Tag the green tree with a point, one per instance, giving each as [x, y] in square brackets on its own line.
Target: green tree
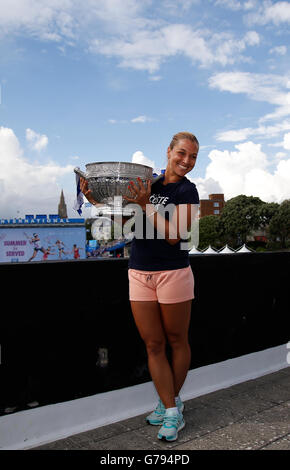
[240, 216]
[209, 231]
[279, 226]
[266, 212]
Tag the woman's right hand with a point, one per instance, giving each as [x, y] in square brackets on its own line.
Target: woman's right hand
[86, 191]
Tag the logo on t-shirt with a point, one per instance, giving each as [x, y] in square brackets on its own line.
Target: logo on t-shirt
[158, 200]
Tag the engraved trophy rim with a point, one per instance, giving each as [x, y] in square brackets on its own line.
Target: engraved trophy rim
[122, 163]
[109, 179]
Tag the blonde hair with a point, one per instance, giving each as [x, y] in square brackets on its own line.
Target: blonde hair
[183, 135]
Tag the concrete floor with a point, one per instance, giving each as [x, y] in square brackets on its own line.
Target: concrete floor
[252, 415]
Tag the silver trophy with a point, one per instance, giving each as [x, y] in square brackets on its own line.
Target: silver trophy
[107, 180]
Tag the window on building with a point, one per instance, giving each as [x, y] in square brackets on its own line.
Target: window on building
[216, 204]
[216, 212]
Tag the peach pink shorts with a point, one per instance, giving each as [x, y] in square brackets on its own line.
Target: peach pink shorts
[165, 287]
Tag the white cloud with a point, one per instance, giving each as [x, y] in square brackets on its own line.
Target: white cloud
[142, 119]
[286, 141]
[236, 5]
[37, 142]
[66, 20]
[231, 4]
[228, 50]
[269, 12]
[248, 5]
[280, 155]
[123, 29]
[117, 15]
[279, 50]
[207, 186]
[147, 49]
[269, 88]
[49, 21]
[245, 171]
[233, 135]
[155, 78]
[176, 7]
[26, 187]
[260, 87]
[251, 38]
[139, 157]
[138, 119]
[267, 132]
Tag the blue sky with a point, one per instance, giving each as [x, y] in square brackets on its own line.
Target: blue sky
[114, 80]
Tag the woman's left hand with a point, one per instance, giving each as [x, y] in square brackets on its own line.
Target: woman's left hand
[140, 193]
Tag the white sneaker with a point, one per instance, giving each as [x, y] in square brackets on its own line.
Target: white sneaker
[156, 417]
[172, 423]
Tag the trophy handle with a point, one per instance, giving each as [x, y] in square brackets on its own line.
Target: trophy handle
[80, 172]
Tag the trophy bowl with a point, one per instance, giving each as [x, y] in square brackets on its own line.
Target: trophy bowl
[109, 179]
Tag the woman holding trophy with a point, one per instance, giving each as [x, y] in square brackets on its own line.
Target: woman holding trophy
[161, 283]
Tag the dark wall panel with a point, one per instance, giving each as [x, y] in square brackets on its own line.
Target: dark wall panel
[66, 329]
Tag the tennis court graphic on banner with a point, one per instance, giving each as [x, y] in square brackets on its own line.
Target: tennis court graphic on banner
[41, 244]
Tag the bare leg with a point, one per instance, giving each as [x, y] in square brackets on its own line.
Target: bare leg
[147, 316]
[33, 256]
[176, 318]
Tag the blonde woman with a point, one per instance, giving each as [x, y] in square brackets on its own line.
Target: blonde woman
[161, 283]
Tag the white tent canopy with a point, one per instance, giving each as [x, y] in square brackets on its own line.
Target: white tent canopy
[243, 249]
[226, 249]
[210, 250]
[195, 251]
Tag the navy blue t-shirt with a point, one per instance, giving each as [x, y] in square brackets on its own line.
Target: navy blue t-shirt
[157, 254]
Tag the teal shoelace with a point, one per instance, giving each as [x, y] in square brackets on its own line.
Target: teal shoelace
[160, 409]
[171, 421]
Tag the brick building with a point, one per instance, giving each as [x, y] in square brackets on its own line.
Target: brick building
[212, 206]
